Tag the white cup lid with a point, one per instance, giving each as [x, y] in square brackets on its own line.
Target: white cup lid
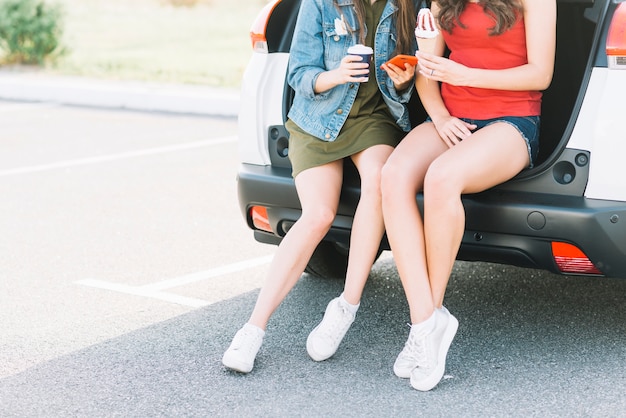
[360, 49]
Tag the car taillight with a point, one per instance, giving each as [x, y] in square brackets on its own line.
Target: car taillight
[257, 31]
[259, 217]
[572, 260]
[616, 39]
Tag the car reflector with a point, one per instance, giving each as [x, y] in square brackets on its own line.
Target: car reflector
[259, 217]
[259, 27]
[616, 39]
[572, 260]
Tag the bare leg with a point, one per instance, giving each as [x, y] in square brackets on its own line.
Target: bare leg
[367, 227]
[402, 179]
[318, 190]
[489, 157]
[425, 252]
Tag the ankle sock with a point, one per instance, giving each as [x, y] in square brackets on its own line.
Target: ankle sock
[258, 330]
[351, 308]
[426, 326]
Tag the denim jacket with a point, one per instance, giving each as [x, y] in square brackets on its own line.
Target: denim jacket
[317, 47]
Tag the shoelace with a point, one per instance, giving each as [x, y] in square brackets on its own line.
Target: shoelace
[416, 348]
[247, 339]
[333, 329]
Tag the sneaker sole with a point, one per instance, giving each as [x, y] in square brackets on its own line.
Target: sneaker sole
[431, 381]
[235, 365]
[402, 373]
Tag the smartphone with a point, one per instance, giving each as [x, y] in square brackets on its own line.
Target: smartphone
[400, 60]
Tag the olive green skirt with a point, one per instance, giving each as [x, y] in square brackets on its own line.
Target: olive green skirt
[357, 134]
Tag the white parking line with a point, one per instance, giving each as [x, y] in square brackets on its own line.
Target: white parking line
[140, 291]
[120, 156]
[208, 274]
[154, 290]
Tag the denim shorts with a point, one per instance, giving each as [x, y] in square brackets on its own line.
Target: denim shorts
[527, 126]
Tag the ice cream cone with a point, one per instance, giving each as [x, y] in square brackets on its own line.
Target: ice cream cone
[426, 45]
[426, 31]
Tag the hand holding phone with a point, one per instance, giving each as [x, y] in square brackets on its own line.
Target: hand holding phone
[401, 60]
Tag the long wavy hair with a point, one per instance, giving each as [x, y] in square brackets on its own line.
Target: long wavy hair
[405, 24]
[504, 13]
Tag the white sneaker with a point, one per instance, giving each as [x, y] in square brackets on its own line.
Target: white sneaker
[431, 351]
[243, 349]
[408, 359]
[325, 338]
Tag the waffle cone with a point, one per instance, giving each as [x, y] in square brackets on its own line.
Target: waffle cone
[426, 45]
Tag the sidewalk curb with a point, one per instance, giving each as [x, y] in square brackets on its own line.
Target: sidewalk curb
[152, 97]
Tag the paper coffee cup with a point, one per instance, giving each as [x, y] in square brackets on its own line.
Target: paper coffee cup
[365, 52]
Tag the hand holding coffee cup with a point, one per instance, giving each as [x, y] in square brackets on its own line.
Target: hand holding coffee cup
[365, 52]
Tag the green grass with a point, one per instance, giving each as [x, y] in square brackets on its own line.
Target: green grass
[150, 40]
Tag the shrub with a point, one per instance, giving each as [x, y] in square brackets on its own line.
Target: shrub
[30, 31]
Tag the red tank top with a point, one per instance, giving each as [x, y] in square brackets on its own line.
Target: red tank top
[473, 47]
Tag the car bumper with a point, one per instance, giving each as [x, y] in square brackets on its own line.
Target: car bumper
[515, 228]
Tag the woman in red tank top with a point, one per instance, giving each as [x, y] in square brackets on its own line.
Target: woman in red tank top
[483, 104]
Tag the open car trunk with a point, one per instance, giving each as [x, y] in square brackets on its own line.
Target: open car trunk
[575, 34]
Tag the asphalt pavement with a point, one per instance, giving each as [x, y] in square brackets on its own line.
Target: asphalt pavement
[38, 86]
[530, 343]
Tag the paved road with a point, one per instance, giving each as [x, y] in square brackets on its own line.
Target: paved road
[112, 221]
[125, 269]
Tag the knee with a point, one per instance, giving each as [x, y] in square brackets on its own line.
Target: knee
[318, 220]
[390, 177]
[440, 183]
[397, 184]
[371, 184]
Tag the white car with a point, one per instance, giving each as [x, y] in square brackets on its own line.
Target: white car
[566, 215]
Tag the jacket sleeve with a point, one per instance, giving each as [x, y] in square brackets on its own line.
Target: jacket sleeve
[306, 58]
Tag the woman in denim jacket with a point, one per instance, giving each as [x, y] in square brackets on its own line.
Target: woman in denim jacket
[336, 114]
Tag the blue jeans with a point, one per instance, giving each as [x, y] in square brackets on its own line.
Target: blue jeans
[527, 126]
